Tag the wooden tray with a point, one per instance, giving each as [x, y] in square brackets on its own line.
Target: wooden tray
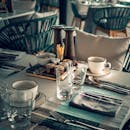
[32, 71]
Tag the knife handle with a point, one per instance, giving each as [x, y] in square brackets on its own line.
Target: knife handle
[86, 125]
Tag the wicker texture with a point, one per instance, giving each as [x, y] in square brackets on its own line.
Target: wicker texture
[112, 18]
[31, 35]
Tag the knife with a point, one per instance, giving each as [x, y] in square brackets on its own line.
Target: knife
[62, 119]
[116, 84]
[115, 89]
[42, 116]
[108, 86]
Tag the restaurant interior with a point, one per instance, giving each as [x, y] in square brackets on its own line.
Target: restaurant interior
[64, 64]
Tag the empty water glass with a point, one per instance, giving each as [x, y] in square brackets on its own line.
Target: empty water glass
[63, 86]
[78, 76]
[19, 108]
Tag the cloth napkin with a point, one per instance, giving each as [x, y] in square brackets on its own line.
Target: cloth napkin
[95, 103]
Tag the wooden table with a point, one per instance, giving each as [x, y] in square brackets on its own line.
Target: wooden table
[49, 88]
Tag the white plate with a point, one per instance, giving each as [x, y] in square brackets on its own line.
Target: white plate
[105, 72]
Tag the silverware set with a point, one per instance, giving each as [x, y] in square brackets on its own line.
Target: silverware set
[62, 119]
[10, 66]
[55, 116]
[7, 56]
[102, 98]
[121, 89]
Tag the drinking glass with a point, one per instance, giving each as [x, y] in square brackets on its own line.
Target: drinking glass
[63, 87]
[19, 108]
[78, 76]
[3, 109]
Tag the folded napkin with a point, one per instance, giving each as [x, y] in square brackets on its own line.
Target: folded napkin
[95, 103]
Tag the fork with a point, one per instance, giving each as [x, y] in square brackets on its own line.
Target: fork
[62, 119]
[105, 85]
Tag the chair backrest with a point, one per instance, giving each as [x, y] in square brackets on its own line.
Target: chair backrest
[112, 18]
[75, 10]
[30, 35]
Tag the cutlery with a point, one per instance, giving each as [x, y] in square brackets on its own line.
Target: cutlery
[117, 101]
[11, 66]
[100, 98]
[115, 84]
[62, 119]
[53, 119]
[8, 54]
[108, 86]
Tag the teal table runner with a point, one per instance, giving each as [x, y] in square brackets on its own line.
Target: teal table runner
[96, 118]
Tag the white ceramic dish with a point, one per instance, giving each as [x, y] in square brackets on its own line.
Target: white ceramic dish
[104, 73]
[26, 86]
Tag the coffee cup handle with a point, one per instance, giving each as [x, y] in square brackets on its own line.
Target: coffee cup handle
[108, 65]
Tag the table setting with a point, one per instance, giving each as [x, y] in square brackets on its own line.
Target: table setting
[81, 100]
[70, 94]
[87, 99]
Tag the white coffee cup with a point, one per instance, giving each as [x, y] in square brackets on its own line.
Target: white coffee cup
[26, 86]
[97, 65]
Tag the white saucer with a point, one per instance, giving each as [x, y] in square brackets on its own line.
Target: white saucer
[105, 72]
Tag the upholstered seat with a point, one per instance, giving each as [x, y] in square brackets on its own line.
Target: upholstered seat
[112, 20]
[115, 50]
[30, 35]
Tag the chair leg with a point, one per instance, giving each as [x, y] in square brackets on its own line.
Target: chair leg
[73, 22]
[81, 26]
[125, 31]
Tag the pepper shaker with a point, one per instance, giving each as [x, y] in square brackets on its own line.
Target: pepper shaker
[69, 43]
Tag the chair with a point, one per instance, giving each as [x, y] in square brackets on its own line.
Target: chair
[30, 35]
[77, 17]
[112, 20]
[50, 5]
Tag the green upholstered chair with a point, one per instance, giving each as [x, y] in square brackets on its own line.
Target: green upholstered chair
[77, 16]
[30, 35]
[112, 20]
